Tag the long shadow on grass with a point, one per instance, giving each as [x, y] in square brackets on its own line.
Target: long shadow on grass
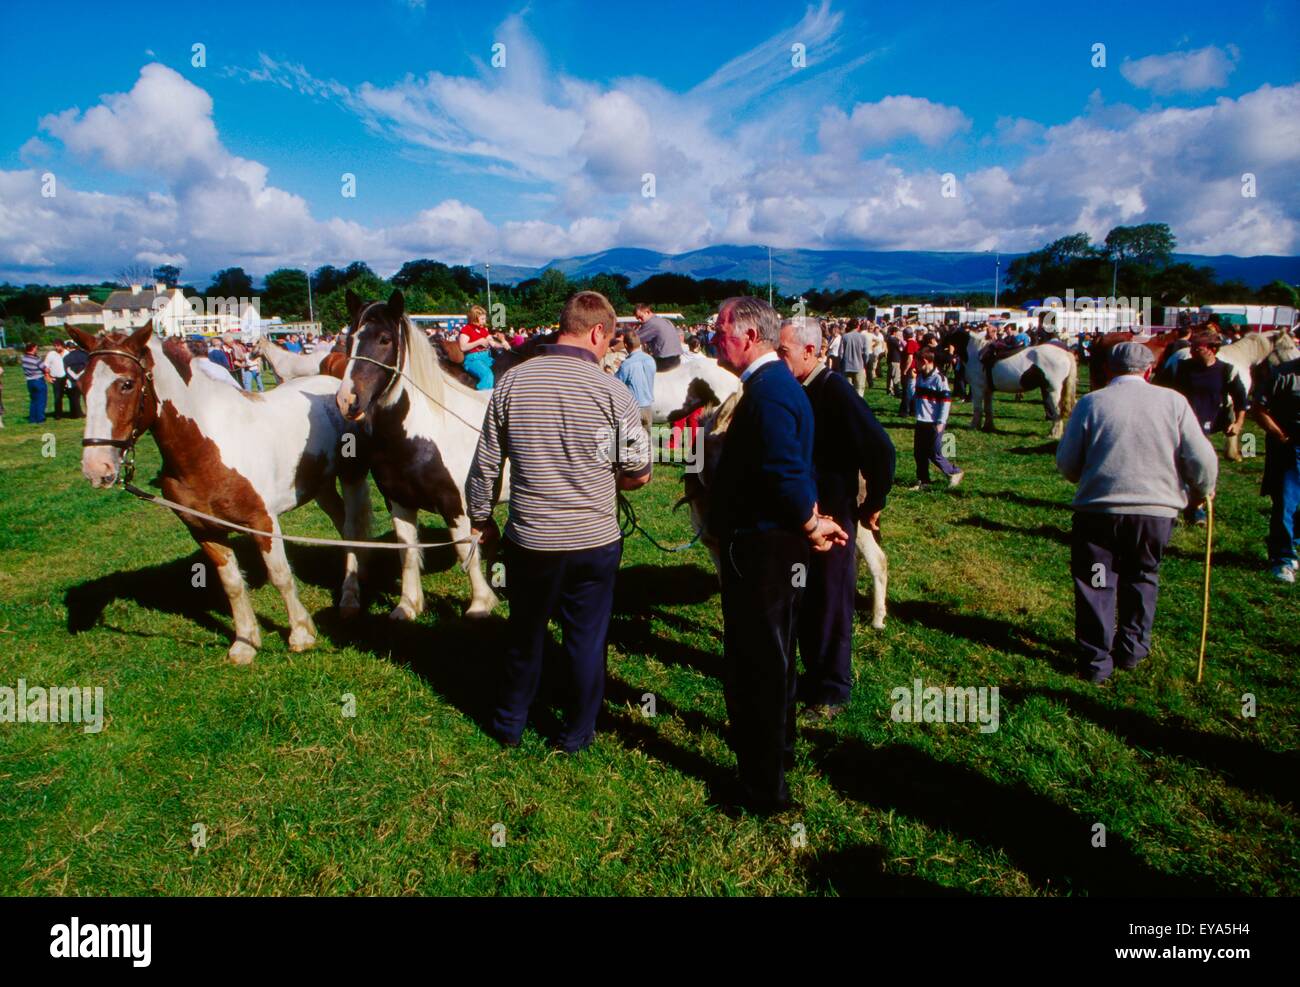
[860, 871]
[641, 596]
[1246, 764]
[1048, 842]
[1002, 635]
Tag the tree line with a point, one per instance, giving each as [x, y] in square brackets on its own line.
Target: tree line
[1132, 260]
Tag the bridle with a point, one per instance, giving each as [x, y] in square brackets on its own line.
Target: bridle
[127, 446]
[394, 371]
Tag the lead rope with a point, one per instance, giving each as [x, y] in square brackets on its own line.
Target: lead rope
[145, 495]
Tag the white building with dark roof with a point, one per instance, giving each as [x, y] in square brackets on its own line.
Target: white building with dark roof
[78, 310]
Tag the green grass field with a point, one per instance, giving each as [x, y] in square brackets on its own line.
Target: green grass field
[296, 798]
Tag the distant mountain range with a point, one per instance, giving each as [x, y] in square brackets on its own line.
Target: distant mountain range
[916, 272]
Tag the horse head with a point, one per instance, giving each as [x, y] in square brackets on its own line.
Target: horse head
[377, 340]
[121, 402]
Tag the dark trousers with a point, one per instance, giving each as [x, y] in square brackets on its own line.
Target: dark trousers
[927, 448]
[760, 611]
[60, 388]
[663, 363]
[1286, 501]
[37, 395]
[74, 399]
[826, 622]
[577, 588]
[1115, 560]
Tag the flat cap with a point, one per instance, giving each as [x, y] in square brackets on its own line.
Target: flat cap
[1130, 358]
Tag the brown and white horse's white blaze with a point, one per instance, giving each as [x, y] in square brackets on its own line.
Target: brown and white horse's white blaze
[421, 446]
[246, 458]
[713, 436]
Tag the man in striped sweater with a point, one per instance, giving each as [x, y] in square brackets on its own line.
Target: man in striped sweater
[35, 375]
[932, 399]
[573, 436]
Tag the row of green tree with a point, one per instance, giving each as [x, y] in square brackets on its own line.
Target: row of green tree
[1132, 261]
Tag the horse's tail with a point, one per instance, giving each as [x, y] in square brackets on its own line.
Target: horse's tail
[1070, 388]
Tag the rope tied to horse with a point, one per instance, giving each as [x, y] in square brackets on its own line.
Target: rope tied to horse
[628, 524]
[145, 495]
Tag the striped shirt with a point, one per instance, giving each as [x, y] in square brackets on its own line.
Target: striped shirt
[933, 397]
[33, 367]
[568, 429]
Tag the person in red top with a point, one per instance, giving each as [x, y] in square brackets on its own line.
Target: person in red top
[474, 343]
[910, 348]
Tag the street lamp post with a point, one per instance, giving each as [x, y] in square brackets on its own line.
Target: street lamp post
[769, 275]
[997, 278]
[488, 268]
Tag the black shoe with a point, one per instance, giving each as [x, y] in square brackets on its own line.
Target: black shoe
[1128, 664]
[1092, 675]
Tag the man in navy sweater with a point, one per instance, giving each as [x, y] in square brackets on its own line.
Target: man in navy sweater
[763, 511]
[848, 443]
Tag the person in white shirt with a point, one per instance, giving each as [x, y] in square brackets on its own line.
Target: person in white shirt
[57, 375]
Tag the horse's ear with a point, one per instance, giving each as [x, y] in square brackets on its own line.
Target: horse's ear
[397, 304]
[354, 304]
[86, 340]
[139, 339]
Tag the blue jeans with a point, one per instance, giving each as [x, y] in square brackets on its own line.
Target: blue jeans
[38, 395]
[1286, 504]
[252, 377]
[479, 364]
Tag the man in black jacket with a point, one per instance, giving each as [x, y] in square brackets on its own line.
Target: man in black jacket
[848, 442]
[763, 511]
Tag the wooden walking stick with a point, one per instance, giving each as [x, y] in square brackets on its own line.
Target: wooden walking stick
[1205, 606]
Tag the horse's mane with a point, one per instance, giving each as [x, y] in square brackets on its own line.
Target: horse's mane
[422, 365]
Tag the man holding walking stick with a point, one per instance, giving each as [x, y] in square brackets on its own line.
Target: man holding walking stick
[1139, 457]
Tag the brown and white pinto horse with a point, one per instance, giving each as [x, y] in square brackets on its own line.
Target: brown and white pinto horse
[245, 458]
[424, 429]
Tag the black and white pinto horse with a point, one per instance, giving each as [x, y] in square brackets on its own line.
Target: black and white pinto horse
[1050, 368]
[424, 428]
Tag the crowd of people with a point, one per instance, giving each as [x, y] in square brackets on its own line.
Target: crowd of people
[785, 502]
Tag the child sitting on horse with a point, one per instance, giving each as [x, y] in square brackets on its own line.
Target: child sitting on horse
[475, 344]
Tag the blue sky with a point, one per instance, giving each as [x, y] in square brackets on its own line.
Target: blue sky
[918, 126]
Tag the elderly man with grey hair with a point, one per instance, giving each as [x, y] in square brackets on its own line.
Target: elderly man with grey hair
[848, 443]
[763, 511]
[1139, 457]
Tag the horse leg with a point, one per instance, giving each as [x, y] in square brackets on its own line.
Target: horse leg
[988, 406]
[976, 384]
[1233, 448]
[411, 605]
[302, 632]
[341, 515]
[1052, 406]
[356, 527]
[878, 566]
[248, 636]
[482, 601]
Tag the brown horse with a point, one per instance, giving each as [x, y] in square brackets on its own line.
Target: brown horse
[244, 458]
[1099, 374]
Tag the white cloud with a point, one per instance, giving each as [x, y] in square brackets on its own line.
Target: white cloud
[892, 118]
[1182, 71]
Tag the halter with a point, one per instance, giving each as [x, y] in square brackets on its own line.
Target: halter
[127, 471]
[395, 371]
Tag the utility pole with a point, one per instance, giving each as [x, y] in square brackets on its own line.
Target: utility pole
[997, 278]
[311, 310]
[769, 275]
[488, 269]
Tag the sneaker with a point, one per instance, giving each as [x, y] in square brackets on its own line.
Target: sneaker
[915, 487]
[956, 478]
[1284, 573]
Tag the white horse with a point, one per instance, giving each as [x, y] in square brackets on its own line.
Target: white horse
[244, 458]
[424, 430]
[713, 435]
[671, 386]
[1049, 367]
[287, 364]
[1254, 348]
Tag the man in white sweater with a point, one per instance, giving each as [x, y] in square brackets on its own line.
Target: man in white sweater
[1139, 457]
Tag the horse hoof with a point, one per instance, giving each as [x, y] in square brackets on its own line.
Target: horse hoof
[300, 639]
[349, 611]
[241, 653]
[403, 611]
[879, 624]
